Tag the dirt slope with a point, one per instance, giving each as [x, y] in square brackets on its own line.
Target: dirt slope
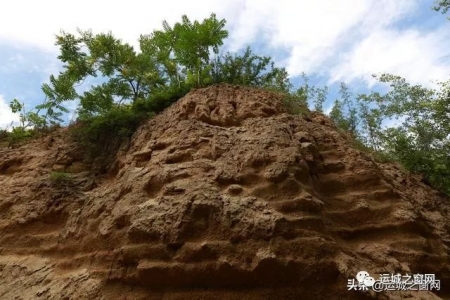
[222, 196]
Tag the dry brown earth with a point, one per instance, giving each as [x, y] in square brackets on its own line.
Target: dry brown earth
[222, 196]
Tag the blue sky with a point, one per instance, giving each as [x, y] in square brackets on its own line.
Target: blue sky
[331, 41]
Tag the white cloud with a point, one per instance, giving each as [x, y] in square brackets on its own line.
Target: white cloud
[314, 32]
[6, 116]
[409, 53]
[349, 39]
[12, 63]
[341, 40]
[327, 110]
[36, 22]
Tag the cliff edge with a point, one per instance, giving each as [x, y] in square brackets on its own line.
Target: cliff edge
[223, 195]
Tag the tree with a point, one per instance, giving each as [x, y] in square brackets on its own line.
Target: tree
[30, 122]
[351, 109]
[344, 112]
[314, 94]
[27, 119]
[193, 42]
[319, 96]
[337, 115]
[59, 90]
[90, 56]
[442, 5]
[422, 141]
[183, 51]
[178, 55]
[250, 69]
[370, 119]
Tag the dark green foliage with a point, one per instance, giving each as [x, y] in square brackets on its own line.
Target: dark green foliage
[27, 119]
[60, 179]
[319, 95]
[172, 61]
[352, 120]
[315, 95]
[3, 134]
[99, 137]
[137, 85]
[192, 44]
[344, 112]
[17, 136]
[337, 116]
[296, 102]
[161, 99]
[370, 119]
[59, 90]
[418, 155]
[421, 142]
[183, 52]
[442, 5]
[249, 69]
[119, 121]
[31, 124]
[277, 79]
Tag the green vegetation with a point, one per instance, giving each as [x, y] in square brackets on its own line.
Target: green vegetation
[421, 143]
[31, 124]
[442, 5]
[137, 84]
[60, 178]
[170, 62]
[101, 136]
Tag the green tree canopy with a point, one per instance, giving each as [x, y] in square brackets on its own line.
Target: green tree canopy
[442, 5]
[169, 63]
[420, 140]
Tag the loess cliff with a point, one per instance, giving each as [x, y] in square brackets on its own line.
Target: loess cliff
[224, 195]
